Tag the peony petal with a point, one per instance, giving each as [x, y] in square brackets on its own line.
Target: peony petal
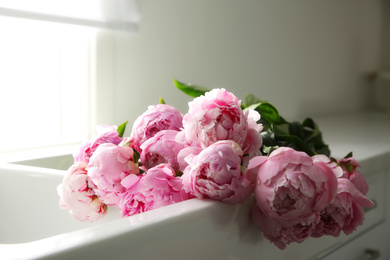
[129, 181]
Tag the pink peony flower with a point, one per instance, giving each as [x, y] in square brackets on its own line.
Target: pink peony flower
[153, 120]
[163, 186]
[78, 198]
[216, 173]
[215, 116]
[161, 148]
[133, 200]
[157, 188]
[291, 186]
[280, 235]
[252, 145]
[186, 154]
[349, 166]
[345, 213]
[108, 166]
[106, 134]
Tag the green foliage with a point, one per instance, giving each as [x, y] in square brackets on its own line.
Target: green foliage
[349, 155]
[189, 89]
[267, 112]
[121, 129]
[136, 156]
[251, 100]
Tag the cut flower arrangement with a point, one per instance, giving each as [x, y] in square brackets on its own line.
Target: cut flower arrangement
[223, 150]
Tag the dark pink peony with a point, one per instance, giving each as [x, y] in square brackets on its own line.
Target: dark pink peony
[153, 120]
[78, 197]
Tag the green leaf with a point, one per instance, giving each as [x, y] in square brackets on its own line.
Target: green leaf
[323, 150]
[313, 136]
[251, 100]
[268, 137]
[269, 149]
[349, 155]
[295, 143]
[311, 129]
[162, 101]
[178, 173]
[267, 112]
[295, 128]
[281, 129]
[121, 129]
[189, 89]
[136, 156]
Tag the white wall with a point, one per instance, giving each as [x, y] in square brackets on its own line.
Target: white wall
[306, 57]
[386, 35]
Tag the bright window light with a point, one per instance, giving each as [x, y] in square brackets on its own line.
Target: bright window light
[121, 15]
[88, 9]
[45, 83]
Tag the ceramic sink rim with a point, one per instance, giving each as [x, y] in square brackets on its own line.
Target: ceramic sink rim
[60, 243]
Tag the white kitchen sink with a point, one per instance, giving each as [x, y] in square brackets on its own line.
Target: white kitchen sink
[57, 162]
[34, 227]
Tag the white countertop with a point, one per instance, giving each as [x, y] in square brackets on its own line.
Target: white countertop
[366, 134]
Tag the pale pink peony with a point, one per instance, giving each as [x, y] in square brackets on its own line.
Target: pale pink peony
[105, 134]
[78, 198]
[161, 148]
[153, 120]
[252, 117]
[133, 200]
[349, 166]
[253, 140]
[252, 145]
[345, 213]
[108, 166]
[186, 154]
[280, 235]
[216, 173]
[292, 186]
[163, 186]
[157, 188]
[215, 116]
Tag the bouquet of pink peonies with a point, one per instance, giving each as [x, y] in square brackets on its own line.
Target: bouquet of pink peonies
[223, 150]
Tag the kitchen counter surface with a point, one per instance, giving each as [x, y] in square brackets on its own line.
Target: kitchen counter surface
[366, 134]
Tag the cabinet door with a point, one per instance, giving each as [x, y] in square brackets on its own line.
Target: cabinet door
[372, 245]
[370, 241]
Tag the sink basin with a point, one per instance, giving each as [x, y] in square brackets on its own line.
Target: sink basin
[57, 157]
[34, 227]
[58, 162]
